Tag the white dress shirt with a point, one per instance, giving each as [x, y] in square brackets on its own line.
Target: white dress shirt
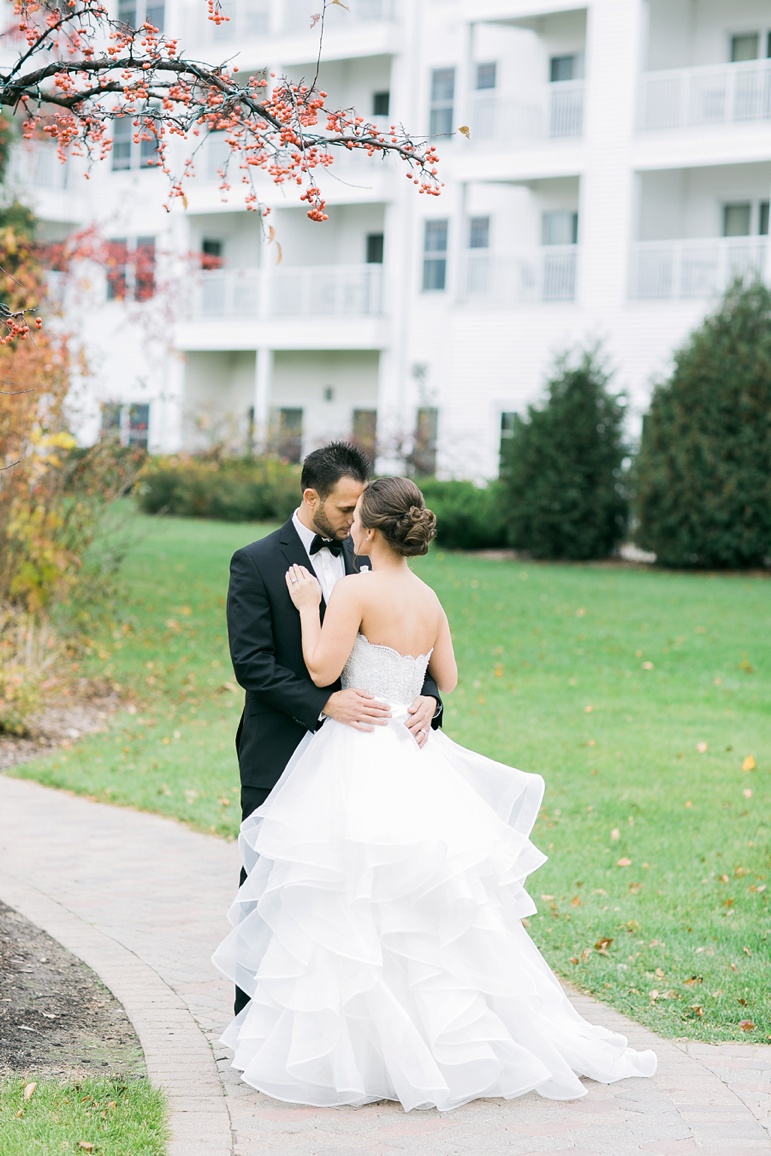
[327, 567]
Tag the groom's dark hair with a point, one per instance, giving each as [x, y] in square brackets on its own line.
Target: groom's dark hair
[324, 468]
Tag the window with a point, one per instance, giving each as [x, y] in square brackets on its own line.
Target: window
[559, 227]
[566, 68]
[128, 153]
[136, 12]
[508, 420]
[736, 220]
[131, 268]
[423, 457]
[375, 248]
[211, 253]
[129, 423]
[442, 98]
[485, 76]
[745, 47]
[364, 433]
[290, 434]
[381, 103]
[138, 422]
[479, 233]
[745, 219]
[435, 256]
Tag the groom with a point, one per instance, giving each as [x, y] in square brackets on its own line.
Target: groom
[282, 703]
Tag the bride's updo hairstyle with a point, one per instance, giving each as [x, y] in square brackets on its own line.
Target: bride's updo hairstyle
[396, 507]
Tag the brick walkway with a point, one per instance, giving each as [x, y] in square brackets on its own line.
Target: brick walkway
[142, 900]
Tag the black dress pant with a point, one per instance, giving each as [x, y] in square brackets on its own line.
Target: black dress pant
[251, 799]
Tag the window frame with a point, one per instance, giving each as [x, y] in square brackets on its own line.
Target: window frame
[435, 259]
[441, 108]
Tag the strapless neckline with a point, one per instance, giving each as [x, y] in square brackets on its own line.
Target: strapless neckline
[393, 650]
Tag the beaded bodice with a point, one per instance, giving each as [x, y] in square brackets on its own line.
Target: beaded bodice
[384, 672]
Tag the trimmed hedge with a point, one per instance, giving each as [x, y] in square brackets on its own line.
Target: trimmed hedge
[232, 490]
[268, 490]
[468, 517]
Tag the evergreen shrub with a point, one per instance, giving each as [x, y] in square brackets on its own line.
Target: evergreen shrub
[703, 475]
[564, 467]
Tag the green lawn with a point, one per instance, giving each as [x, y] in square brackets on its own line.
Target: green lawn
[100, 1116]
[644, 699]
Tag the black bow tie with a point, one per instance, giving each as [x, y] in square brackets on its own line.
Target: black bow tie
[332, 544]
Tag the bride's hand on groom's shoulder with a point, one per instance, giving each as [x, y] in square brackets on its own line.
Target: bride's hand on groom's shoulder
[303, 587]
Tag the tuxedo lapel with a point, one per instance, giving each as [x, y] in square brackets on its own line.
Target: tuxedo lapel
[295, 554]
[349, 558]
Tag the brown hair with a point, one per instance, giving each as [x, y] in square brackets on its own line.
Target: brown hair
[396, 507]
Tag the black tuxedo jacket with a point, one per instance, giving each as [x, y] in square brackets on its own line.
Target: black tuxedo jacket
[282, 702]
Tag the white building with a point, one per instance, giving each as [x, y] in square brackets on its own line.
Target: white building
[616, 176]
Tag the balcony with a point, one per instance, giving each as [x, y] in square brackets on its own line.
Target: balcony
[683, 270]
[297, 14]
[227, 293]
[715, 95]
[546, 275]
[247, 19]
[558, 115]
[37, 164]
[315, 291]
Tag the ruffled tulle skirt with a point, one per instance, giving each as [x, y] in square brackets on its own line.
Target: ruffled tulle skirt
[379, 934]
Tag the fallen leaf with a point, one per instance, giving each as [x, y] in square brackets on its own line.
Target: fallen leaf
[624, 863]
[647, 666]
[747, 793]
[602, 944]
[692, 981]
[615, 834]
[746, 951]
[575, 901]
[697, 1009]
[747, 1025]
[86, 1145]
[588, 709]
[701, 748]
[29, 1091]
[749, 763]
[464, 130]
[574, 959]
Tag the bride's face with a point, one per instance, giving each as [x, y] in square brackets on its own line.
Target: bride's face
[358, 532]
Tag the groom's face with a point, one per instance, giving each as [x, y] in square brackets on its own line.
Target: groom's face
[333, 515]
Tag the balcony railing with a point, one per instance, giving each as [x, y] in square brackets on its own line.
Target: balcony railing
[336, 290]
[298, 14]
[227, 293]
[342, 290]
[247, 18]
[723, 94]
[547, 274]
[558, 115]
[36, 164]
[663, 270]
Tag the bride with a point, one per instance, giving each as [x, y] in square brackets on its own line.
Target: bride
[379, 929]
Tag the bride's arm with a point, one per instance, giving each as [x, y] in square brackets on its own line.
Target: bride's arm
[442, 666]
[325, 649]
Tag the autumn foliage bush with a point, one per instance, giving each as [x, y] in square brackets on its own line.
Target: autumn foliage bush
[703, 475]
[52, 498]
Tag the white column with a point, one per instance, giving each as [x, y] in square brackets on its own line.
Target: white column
[263, 378]
[614, 38]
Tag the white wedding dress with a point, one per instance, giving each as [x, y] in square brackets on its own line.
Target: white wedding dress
[379, 929]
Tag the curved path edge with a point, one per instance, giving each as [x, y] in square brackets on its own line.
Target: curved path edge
[142, 899]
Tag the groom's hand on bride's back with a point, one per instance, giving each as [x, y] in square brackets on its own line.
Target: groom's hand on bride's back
[357, 709]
